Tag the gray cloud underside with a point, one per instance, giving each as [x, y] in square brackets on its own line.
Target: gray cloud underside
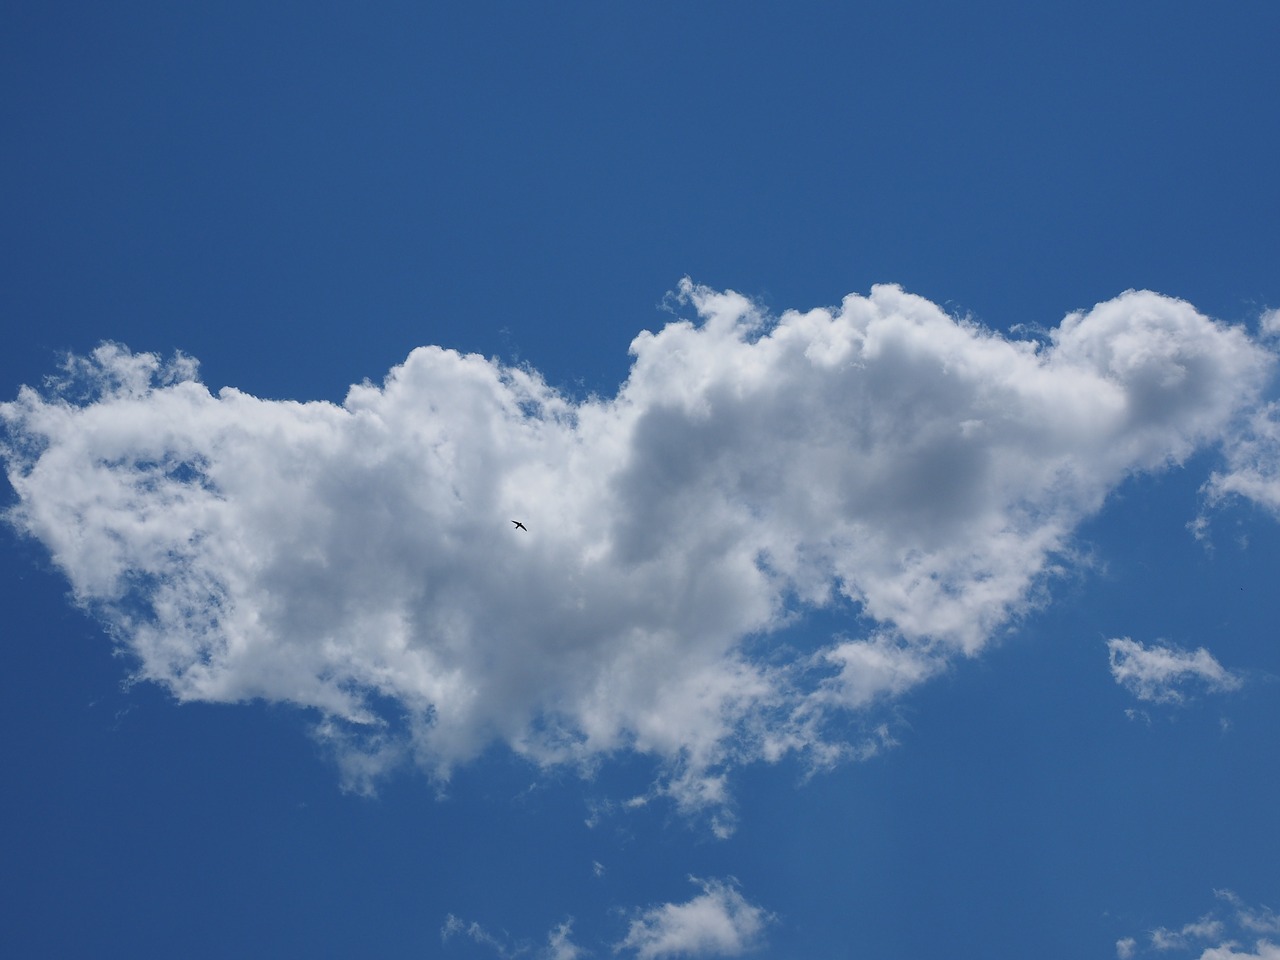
[338, 557]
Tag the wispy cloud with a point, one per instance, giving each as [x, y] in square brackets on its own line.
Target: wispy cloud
[1261, 919]
[1206, 928]
[560, 945]
[455, 926]
[1269, 323]
[1253, 462]
[719, 922]
[359, 559]
[1252, 450]
[1161, 674]
[1215, 936]
[1262, 950]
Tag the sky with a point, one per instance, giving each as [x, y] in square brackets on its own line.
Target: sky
[889, 396]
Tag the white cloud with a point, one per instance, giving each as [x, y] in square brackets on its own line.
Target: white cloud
[456, 926]
[1269, 323]
[1206, 928]
[360, 560]
[1262, 950]
[1159, 673]
[1253, 462]
[1256, 920]
[1215, 926]
[719, 922]
[560, 947]
[880, 666]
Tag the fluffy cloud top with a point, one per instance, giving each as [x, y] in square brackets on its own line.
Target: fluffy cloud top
[359, 559]
[1158, 673]
[719, 922]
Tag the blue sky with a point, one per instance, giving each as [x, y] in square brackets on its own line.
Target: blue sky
[906, 590]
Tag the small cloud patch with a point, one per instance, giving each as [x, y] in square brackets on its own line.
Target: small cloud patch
[1164, 674]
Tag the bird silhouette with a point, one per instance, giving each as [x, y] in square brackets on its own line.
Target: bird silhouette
[520, 526]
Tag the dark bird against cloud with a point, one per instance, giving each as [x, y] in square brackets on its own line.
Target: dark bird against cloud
[520, 526]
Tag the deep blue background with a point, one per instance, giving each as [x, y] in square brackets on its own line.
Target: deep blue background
[299, 194]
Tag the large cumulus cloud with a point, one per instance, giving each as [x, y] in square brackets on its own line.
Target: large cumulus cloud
[359, 559]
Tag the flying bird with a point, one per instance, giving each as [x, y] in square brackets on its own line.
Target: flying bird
[520, 526]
